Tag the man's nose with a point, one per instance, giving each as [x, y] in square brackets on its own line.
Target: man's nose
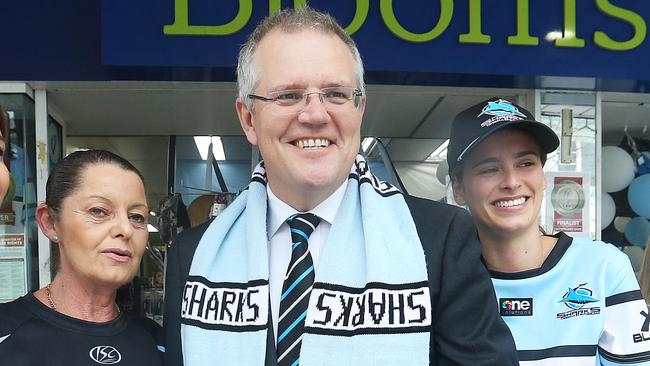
[314, 110]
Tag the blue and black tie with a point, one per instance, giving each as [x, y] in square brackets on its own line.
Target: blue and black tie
[296, 289]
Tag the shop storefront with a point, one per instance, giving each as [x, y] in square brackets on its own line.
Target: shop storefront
[155, 83]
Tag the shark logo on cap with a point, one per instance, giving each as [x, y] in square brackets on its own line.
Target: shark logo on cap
[501, 111]
[501, 107]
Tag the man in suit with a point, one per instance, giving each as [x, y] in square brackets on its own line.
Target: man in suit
[319, 262]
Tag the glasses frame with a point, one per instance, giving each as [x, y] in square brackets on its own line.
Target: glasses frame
[357, 93]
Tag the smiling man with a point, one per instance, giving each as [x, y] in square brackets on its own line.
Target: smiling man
[318, 262]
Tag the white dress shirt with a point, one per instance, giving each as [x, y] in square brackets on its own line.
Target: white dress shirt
[279, 236]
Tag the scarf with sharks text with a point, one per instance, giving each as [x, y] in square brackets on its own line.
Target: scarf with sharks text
[370, 303]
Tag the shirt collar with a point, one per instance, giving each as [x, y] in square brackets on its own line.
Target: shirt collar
[278, 211]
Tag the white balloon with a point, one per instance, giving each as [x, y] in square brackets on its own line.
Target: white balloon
[620, 223]
[442, 171]
[618, 169]
[608, 211]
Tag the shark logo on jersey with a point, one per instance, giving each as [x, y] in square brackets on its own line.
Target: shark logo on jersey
[576, 299]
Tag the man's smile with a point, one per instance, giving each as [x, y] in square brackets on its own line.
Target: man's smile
[312, 143]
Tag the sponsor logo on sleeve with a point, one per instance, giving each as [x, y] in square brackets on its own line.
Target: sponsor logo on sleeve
[516, 306]
[577, 299]
[643, 335]
[377, 308]
[105, 355]
[225, 306]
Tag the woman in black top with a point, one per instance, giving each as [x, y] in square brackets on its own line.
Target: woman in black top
[96, 212]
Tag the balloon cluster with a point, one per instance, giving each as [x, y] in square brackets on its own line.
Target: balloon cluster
[621, 171]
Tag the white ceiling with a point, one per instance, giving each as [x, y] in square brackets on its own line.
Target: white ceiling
[137, 108]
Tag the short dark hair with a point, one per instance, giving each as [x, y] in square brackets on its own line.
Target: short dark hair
[64, 178]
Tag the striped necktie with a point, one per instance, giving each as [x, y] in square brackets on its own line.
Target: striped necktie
[295, 290]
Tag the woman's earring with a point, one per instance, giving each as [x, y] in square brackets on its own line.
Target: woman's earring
[56, 238]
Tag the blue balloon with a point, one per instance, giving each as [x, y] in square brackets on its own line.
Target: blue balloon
[638, 195]
[637, 231]
[643, 164]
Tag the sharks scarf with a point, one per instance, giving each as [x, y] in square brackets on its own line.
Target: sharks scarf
[370, 303]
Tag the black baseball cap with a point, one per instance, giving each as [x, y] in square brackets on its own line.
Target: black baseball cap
[473, 125]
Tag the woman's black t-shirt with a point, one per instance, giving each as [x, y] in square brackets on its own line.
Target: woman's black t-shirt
[33, 334]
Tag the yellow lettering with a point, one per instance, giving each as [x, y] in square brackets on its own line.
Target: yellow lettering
[569, 38]
[635, 20]
[388, 15]
[181, 24]
[475, 34]
[523, 37]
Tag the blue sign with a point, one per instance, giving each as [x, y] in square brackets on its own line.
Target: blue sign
[589, 38]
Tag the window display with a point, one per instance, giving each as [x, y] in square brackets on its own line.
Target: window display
[18, 230]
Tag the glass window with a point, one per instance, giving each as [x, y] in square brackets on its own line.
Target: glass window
[18, 229]
[200, 176]
[416, 162]
[570, 201]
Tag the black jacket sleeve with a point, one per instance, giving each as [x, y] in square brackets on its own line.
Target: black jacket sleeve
[179, 259]
[467, 327]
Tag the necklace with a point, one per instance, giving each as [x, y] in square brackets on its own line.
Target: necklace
[53, 306]
[49, 297]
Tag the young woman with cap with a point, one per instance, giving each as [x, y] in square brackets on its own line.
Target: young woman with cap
[567, 301]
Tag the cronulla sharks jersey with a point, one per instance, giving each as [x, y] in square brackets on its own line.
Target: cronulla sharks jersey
[582, 307]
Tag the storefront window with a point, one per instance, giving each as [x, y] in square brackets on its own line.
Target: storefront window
[199, 175]
[18, 229]
[415, 164]
[570, 200]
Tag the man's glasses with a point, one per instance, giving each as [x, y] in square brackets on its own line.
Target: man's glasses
[294, 101]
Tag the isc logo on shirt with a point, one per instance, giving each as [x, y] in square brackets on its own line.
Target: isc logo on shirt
[105, 355]
[516, 306]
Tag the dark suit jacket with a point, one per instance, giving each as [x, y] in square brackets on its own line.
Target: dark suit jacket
[467, 328]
